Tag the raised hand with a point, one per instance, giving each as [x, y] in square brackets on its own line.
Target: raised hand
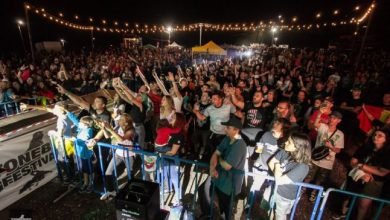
[115, 82]
[61, 89]
[171, 77]
[23, 106]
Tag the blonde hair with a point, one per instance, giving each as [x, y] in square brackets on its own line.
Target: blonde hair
[88, 120]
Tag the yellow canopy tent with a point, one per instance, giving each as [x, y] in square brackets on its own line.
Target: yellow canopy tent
[210, 48]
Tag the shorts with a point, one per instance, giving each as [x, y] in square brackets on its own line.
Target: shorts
[318, 174]
[283, 205]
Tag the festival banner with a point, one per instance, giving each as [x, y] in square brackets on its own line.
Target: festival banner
[26, 163]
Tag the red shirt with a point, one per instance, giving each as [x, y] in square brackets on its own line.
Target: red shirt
[48, 94]
[25, 74]
[324, 119]
[163, 134]
[156, 99]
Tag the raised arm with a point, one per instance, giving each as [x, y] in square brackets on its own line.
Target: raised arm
[199, 115]
[160, 83]
[25, 106]
[240, 104]
[129, 95]
[119, 90]
[76, 99]
[142, 76]
[171, 78]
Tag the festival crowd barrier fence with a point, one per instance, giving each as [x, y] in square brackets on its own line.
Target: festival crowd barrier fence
[156, 173]
[10, 108]
[352, 201]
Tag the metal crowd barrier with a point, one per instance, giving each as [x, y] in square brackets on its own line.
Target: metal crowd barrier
[162, 160]
[11, 108]
[352, 202]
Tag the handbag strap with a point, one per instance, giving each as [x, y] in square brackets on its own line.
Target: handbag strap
[330, 137]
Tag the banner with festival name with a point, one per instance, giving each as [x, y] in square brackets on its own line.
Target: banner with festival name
[26, 163]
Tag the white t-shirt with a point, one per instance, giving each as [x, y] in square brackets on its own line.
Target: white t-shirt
[337, 140]
[178, 103]
[218, 115]
[121, 152]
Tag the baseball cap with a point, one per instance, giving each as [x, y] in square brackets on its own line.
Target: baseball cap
[337, 114]
[234, 122]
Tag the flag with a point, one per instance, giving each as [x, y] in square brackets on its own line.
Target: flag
[378, 113]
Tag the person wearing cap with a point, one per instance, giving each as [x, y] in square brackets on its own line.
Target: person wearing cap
[351, 107]
[329, 136]
[227, 166]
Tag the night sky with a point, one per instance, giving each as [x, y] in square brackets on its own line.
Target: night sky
[178, 12]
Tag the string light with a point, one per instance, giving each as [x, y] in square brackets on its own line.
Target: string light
[369, 10]
[153, 28]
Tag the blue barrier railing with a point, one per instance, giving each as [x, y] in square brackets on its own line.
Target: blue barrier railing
[352, 203]
[11, 108]
[161, 162]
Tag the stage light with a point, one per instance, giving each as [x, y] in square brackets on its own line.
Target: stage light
[357, 8]
[318, 15]
[336, 12]
[20, 22]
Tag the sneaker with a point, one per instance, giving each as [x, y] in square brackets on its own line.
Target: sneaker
[107, 195]
[122, 185]
[339, 216]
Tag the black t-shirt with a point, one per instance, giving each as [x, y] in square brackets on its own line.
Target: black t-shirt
[368, 156]
[254, 116]
[138, 115]
[205, 124]
[354, 102]
[105, 115]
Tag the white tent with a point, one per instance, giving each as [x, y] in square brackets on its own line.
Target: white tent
[174, 45]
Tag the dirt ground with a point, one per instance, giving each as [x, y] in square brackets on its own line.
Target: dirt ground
[88, 206]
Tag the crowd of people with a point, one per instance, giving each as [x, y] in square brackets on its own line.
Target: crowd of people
[298, 106]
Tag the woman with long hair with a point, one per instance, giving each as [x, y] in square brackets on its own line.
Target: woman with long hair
[267, 147]
[289, 165]
[174, 134]
[167, 109]
[122, 135]
[370, 169]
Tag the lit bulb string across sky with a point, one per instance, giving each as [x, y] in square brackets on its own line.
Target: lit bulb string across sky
[243, 27]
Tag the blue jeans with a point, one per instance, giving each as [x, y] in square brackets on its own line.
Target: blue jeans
[171, 174]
